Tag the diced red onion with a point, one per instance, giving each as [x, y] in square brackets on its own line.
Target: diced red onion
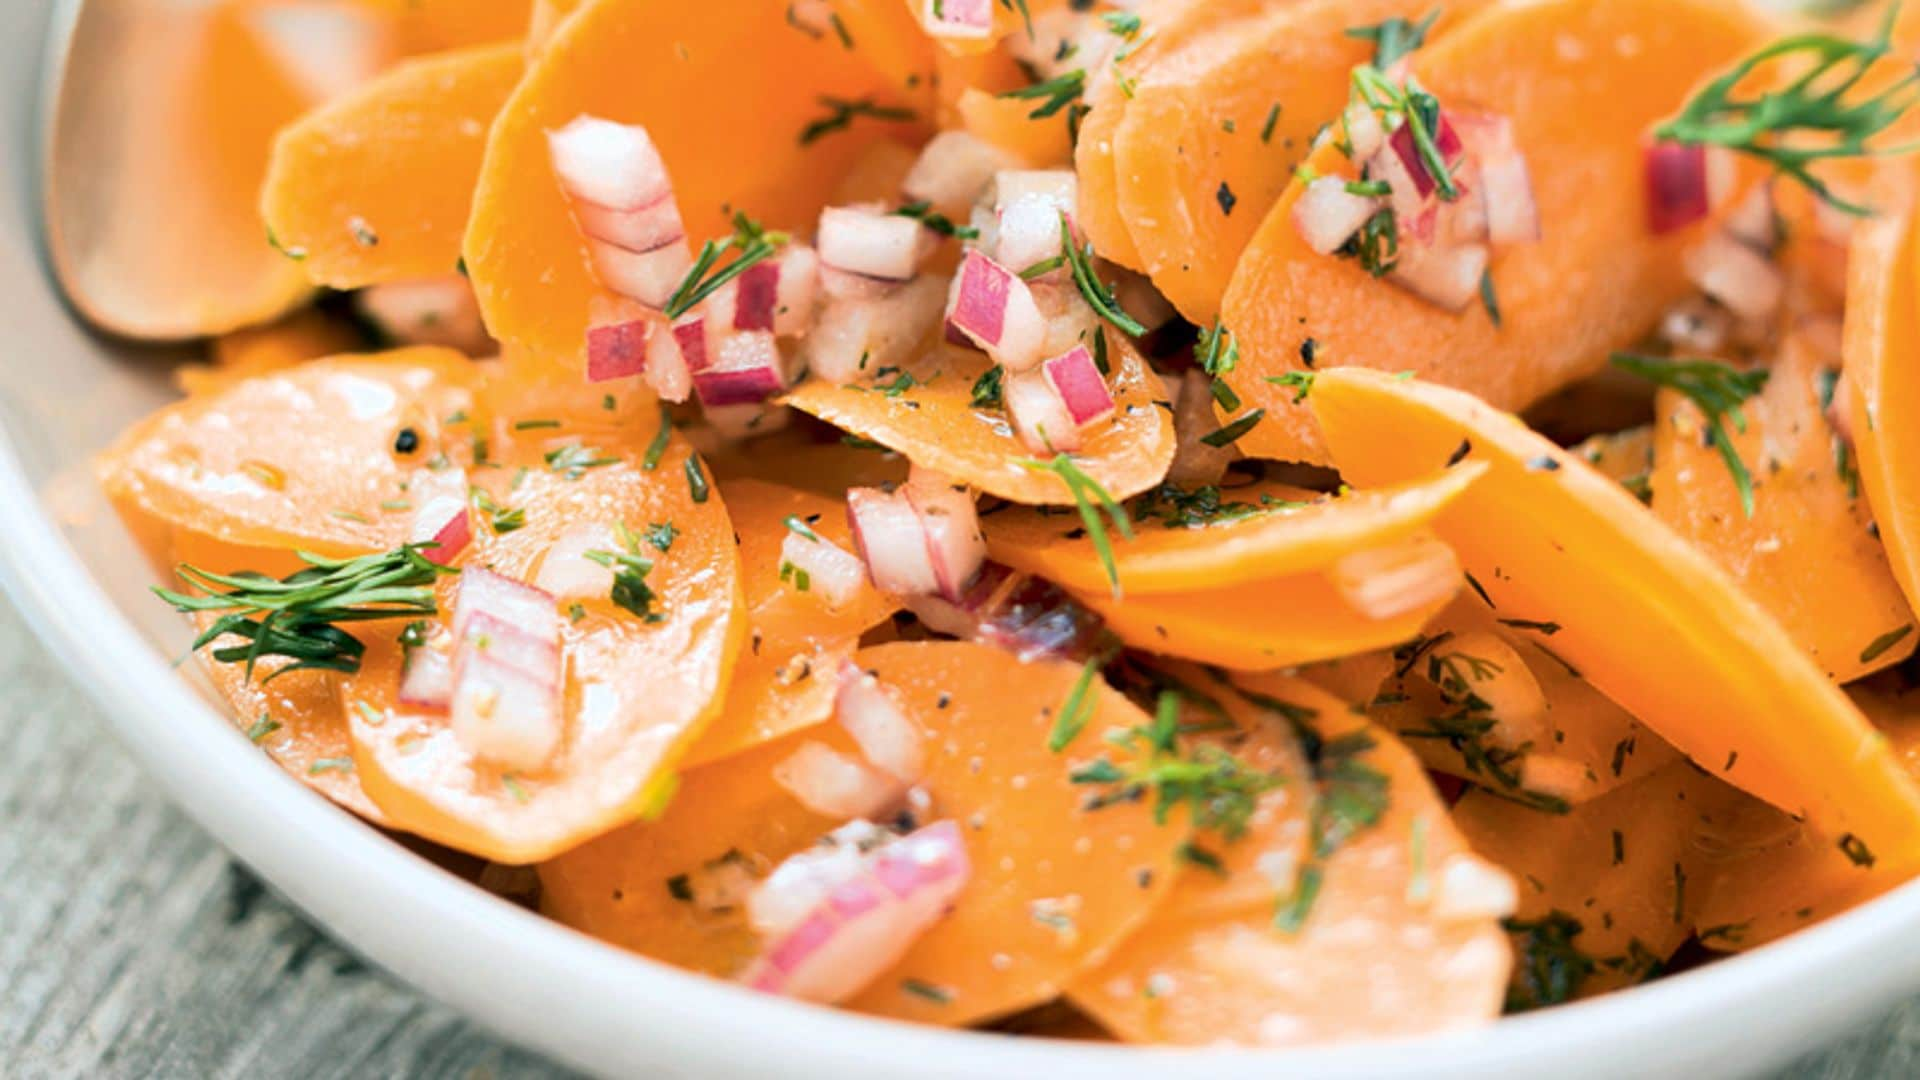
[834, 574]
[995, 309]
[1445, 277]
[507, 670]
[889, 538]
[643, 229]
[956, 548]
[969, 19]
[1505, 184]
[1363, 131]
[1385, 583]
[867, 913]
[837, 284]
[836, 785]
[881, 332]
[871, 243]
[1030, 235]
[952, 170]
[877, 723]
[1040, 418]
[507, 645]
[619, 337]
[1058, 189]
[650, 277]
[691, 335]
[483, 592]
[565, 571]
[666, 370]
[1445, 140]
[428, 311]
[1027, 616]
[1736, 275]
[747, 368]
[427, 680]
[1684, 183]
[773, 294]
[1082, 389]
[440, 516]
[1327, 215]
[609, 164]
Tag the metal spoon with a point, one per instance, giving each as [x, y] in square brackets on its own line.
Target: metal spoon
[159, 120]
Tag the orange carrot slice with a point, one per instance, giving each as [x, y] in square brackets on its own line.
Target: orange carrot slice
[1378, 951]
[430, 26]
[724, 90]
[1623, 868]
[1596, 282]
[376, 186]
[1808, 553]
[1625, 457]
[1654, 624]
[927, 414]
[1201, 159]
[1882, 395]
[1285, 530]
[301, 458]
[787, 677]
[1582, 745]
[637, 692]
[1054, 883]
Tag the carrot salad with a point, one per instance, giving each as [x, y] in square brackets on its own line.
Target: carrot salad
[1186, 521]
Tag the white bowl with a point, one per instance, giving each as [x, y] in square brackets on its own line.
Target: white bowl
[69, 566]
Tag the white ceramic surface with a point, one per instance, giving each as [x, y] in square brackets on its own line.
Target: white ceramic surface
[67, 564]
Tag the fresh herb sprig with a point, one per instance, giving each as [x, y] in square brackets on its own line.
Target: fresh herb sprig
[1092, 501]
[1774, 126]
[1393, 39]
[925, 214]
[1063, 91]
[1098, 294]
[841, 114]
[1418, 110]
[299, 616]
[1219, 791]
[754, 242]
[1718, 390]
[630, 569]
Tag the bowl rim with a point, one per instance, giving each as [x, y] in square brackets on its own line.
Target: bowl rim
[607, 1011]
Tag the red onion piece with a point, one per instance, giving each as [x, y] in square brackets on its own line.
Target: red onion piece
[1504, 183]
[1444, 277]
[649, 277]
[747, 369]
[881, 332]
[643, 229]
[1327, 215]
[886, 737]
[507, 670]
[866, 923]
[483, 592]
[958, 18]
[870, 243]
[1055, 188]
[756, 292]
[952, 170]
[1684, 182]
[440, 515]
[565, 571]
[995, 309]
[1742, 279]
[427, 680]
[834, 575]
[1039, 417]
[690, 335]
[838, 284]
[619, 338]
[1362, 131]
[836, 785]
[1082, 389]
[1029, 235]
[774, 295]
[1027, 616]
[611, 165]
[889, 538]
[534, 655]
[956, 547]
[1445, 140]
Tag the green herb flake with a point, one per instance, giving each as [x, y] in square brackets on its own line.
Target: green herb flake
[842, 112]
[1091, 500]
[262, 728]
[330, 764]
[1878, 646]
[1077, 709]
[987, 389]
[696, 479]
[753, 242]
[1718, 391]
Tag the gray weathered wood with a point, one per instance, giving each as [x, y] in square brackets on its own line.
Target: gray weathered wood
[131, 946]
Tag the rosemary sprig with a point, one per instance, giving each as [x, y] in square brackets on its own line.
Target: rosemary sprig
[841, 114]
[299, 616]
[1718, 391]
[1394, 38]
[630, 570]
[1078, 708]
[1098, 293]
[1219, 790]
[754, 243]
[1763, 126]
[1418, 110]
[1091, 500]
[1059, 92]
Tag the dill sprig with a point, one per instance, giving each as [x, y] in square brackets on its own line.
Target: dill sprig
[754, 243]
[841, 114]
[1300, 381]
[1091, 500]
[298, 617]
[925, 214]
[1099, 295]
[630, 570]
[1418, 110]
[1219, 790]
[1551, 967]
[1059, 92]
[1763, 126]
[1718, 390]
[1078, 708]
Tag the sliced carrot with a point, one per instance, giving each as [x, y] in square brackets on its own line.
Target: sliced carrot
[1200, 159]
[1625, 867]
[797, 461]
[376, 186]
[1883, 398]
[307, 334]
[1373, 957]
[638, 692]
[1054, 883]
[1597, 280]
[787, 677]
[1588, 745]
[301, 458]
[927, 414]
[1039, 142]
[1772, 875]
[430, 26]
[1654, 624]
[725, 91]
[1625, 457]
[1808, 553]
[1285, 530]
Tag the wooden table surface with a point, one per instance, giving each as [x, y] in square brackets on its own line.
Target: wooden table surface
[132, 946]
